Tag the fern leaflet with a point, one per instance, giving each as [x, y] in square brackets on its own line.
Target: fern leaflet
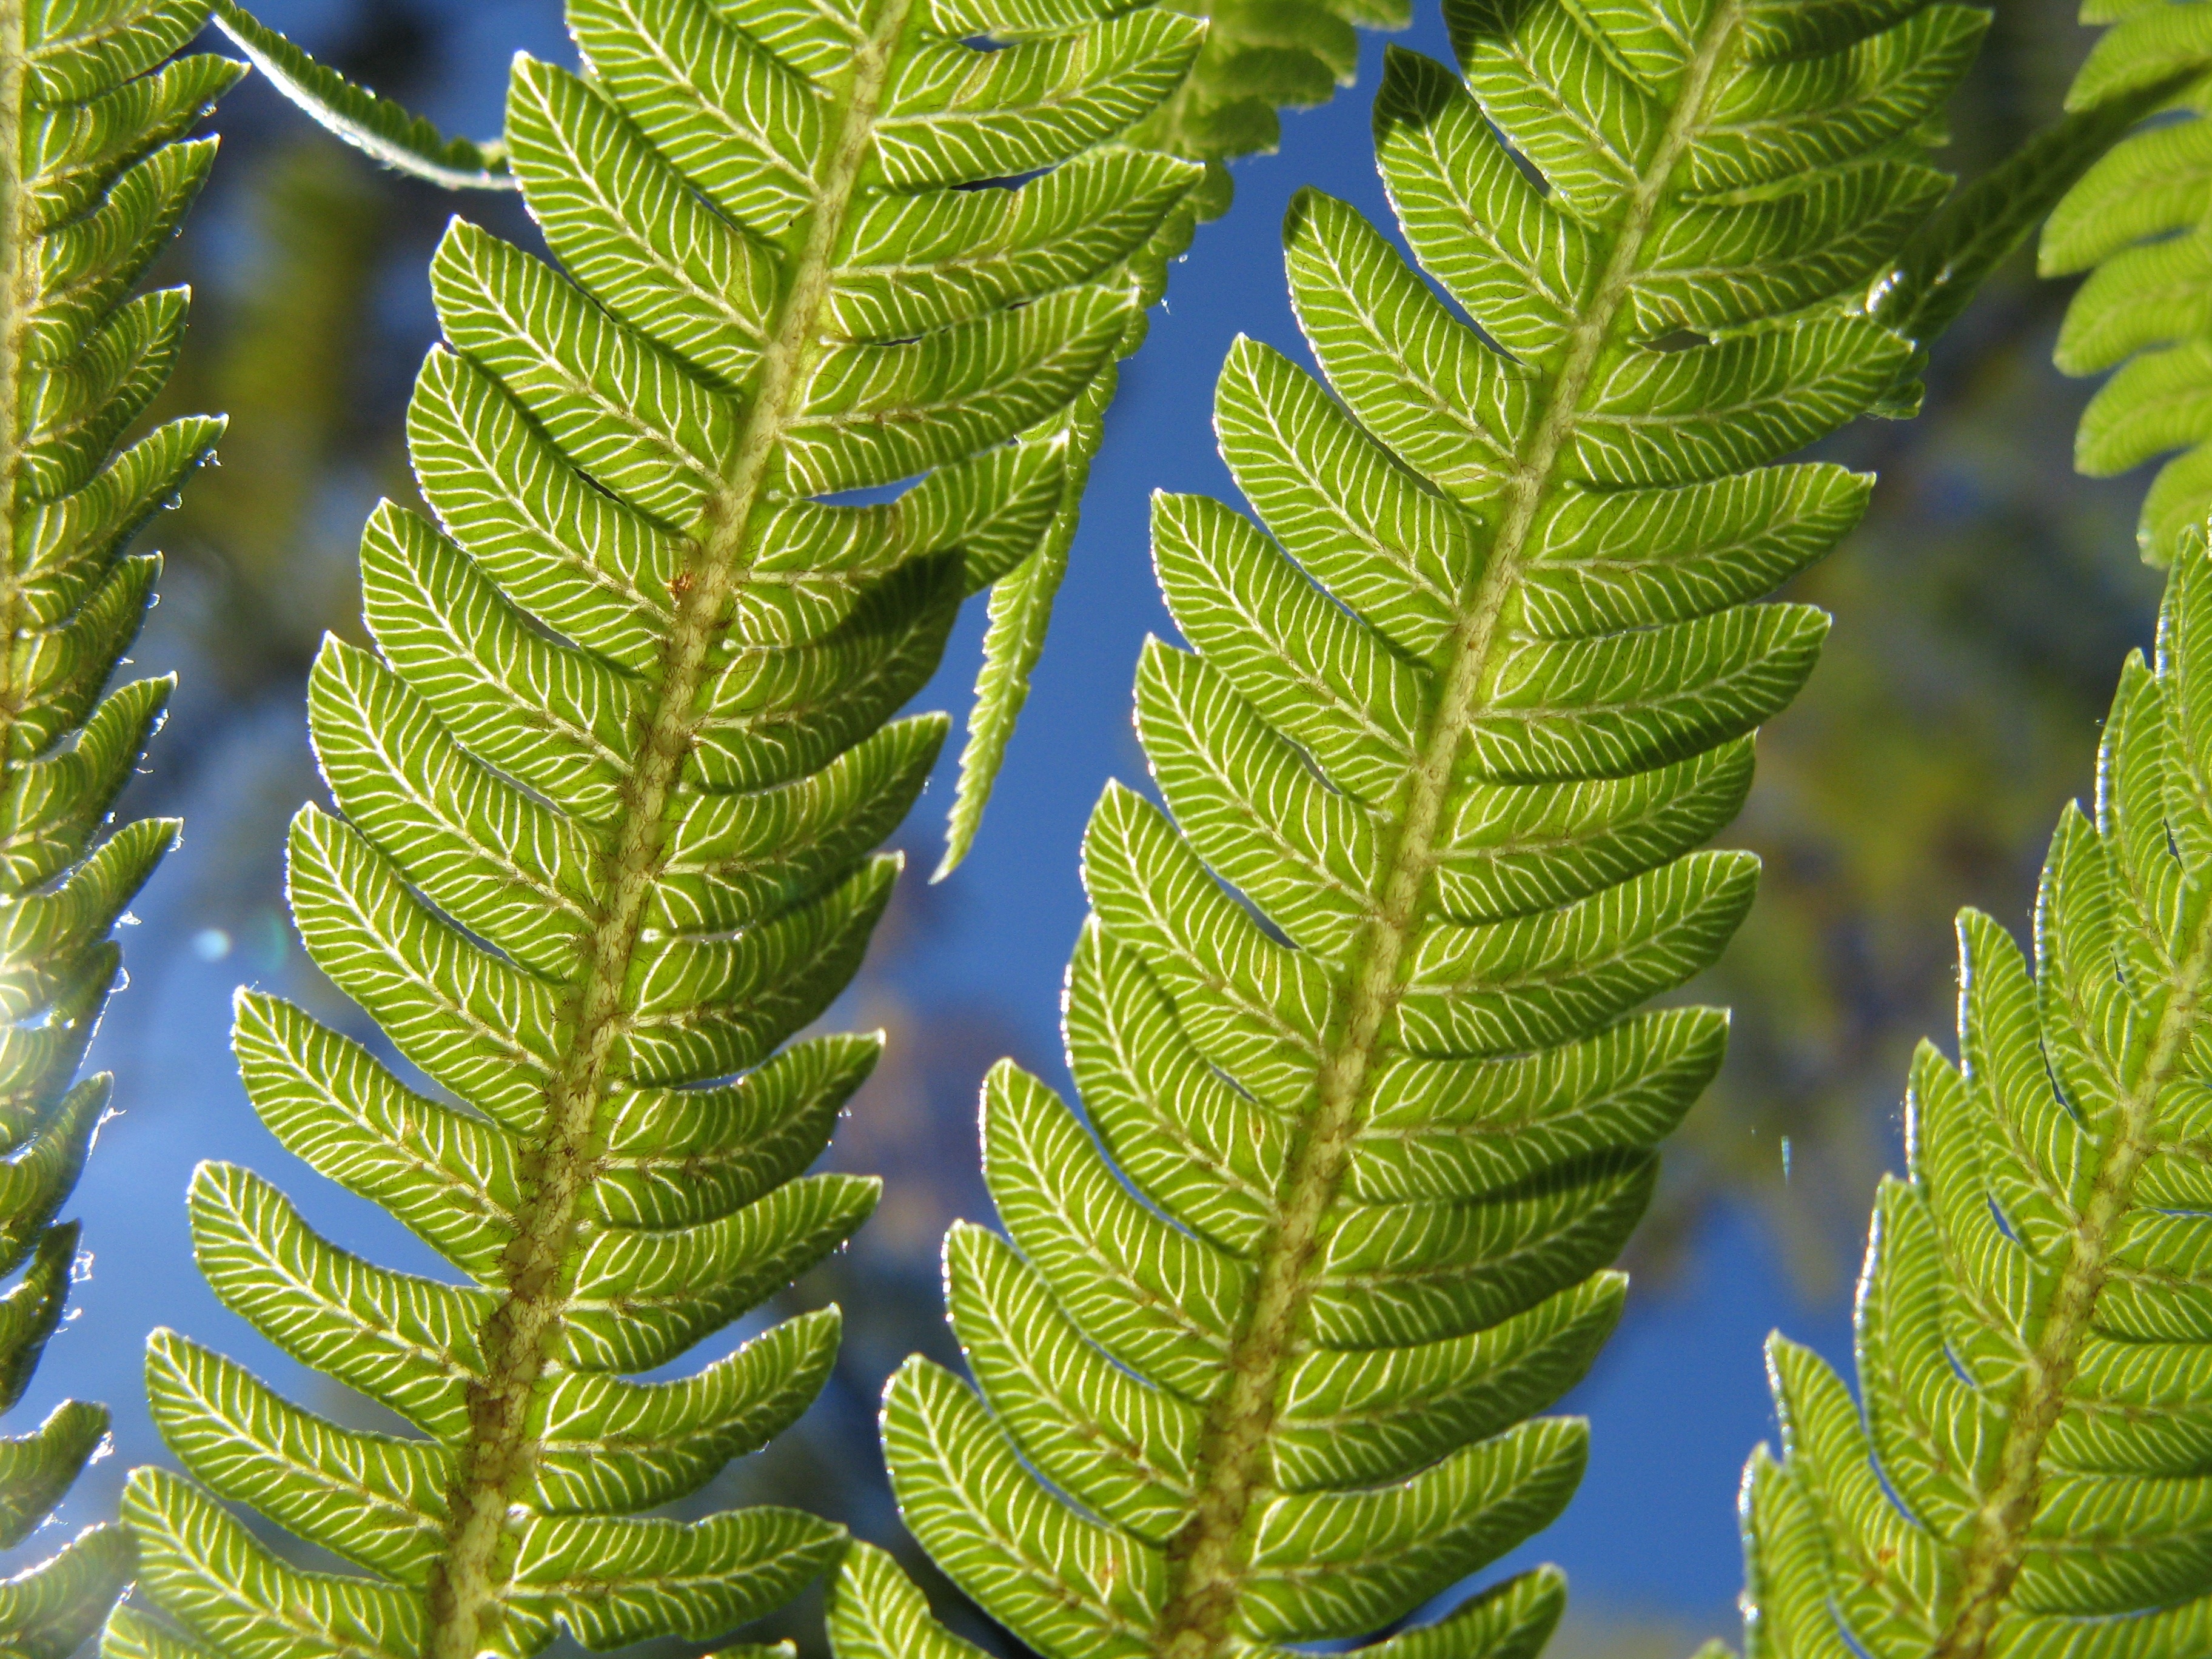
[372, 125]
[2140, 222]
[1258, 56]
[1944, 264]
[1256, 1364]
[2023, 1476]
[610, 783]
[1261, 58]
[95, 174]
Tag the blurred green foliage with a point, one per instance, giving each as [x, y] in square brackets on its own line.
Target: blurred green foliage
[1981, 612]
[286, 353]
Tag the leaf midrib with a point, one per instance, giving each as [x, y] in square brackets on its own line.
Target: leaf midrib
[17, 281]
[537, 1273]
[1208, 1559]
[1989, 1564]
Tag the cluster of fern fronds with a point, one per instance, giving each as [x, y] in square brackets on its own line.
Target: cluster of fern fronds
[1370, 1095]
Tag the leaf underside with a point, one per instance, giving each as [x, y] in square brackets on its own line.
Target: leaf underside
[1367, 1103]
[372, 125]
[96, 106]
[2022, 1473]
[607, 788]
[1257, 55]
[2139, 224]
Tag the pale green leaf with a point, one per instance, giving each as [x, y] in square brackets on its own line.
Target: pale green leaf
[604, 791]
[97, 107]
[1368, 1105]
[376, 127]
[2066, 1227]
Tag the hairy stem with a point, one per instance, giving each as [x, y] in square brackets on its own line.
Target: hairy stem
[537, 1273]
[1208, 1558]
[1991, 1559]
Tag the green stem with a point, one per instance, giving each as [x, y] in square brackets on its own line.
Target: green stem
[1991, 1559]
[14, 307]
[1208, 1559]
[537, 1273]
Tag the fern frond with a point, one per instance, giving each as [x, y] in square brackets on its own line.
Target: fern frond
[1258, 55]
[2023, 1472]
[95, 174]
[1255, 1363]
[1943, 266]
[1949, 256]
[2140, 222]
[1023, 593]
[1262, 56]
[374, 125]
[610, 787]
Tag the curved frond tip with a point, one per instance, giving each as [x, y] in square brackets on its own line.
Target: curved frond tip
[2022, 1472]
[1370, 1095]
[608, 790]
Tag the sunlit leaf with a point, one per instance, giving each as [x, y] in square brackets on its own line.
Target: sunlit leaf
[2139, 221]
[1369, 1097]
[2020, 1473]
[607, 789]
[97, 104]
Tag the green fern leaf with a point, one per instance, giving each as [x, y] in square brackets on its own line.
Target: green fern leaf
[2140, 222]
[1368, 1105]
[374, 125]
[1258, 55]
[93, 107]
[913, 264]
[2020, 1474]
[1954, 251]
[607, 788]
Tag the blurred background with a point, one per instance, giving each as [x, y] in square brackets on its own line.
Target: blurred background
[1982, 613]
